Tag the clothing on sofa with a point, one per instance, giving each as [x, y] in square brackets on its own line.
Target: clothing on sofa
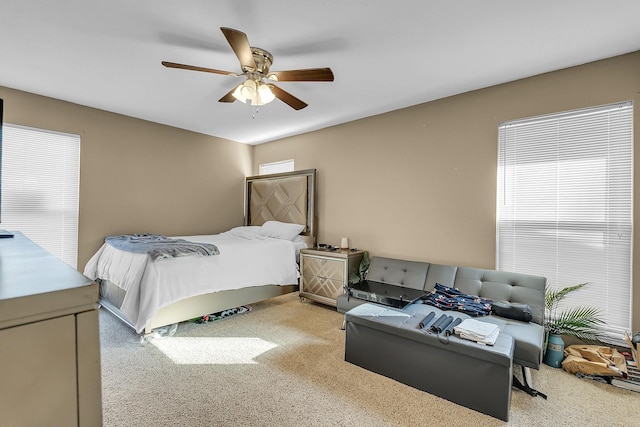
[447, 298]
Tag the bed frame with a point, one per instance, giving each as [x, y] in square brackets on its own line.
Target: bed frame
[286, 197]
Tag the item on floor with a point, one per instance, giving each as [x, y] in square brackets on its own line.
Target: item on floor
[632, 347]
[555, 351]
[632, 382]
[223, 314]
[524, 386]
[166, 331]
[596, 378]
[594, 360]
[480, 332]
[447, 298]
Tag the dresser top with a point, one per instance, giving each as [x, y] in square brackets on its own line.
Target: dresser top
[32, 281]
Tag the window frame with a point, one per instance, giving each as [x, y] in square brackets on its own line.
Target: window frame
[610, 176]
[40, 198]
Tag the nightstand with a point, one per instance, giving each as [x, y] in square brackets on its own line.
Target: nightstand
[325, 273]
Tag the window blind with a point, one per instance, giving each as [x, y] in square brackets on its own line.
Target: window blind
[565, 192]
[40, 187]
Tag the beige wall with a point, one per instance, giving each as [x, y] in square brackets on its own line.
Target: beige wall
[137, 176]
[417, 183]
[420, 183]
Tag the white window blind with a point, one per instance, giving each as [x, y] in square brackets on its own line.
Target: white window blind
[565, 192]
[276, 167]
[40, 185]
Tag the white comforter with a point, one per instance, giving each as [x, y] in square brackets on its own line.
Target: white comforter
[245, 259]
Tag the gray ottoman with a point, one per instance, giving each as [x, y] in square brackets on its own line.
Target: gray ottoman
[389, 342]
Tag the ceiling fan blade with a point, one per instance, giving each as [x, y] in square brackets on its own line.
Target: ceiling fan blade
[305, 75]
[287, 98]
[229, 96]
[194, 68]
[240, 45]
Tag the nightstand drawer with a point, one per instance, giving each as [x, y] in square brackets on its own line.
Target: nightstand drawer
[324, 268]
[323, 287]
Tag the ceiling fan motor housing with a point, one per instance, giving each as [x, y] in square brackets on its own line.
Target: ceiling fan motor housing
[263, 61]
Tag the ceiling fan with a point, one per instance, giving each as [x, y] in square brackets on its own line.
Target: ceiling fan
[255, 63]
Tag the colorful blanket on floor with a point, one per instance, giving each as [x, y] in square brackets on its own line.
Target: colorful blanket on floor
[160, 247]
[223, 314]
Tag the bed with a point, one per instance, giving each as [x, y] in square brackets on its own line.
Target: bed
[256, 261]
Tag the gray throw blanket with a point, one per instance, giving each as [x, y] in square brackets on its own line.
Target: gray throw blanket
[160, 247]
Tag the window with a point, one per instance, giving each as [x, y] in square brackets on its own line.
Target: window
[276, 167]
[40, 184]
[565, 188]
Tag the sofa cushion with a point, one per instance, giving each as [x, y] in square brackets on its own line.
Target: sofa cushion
[528, 338]
[504, 286]
[512, 310]
[438, 273]
[410, 274]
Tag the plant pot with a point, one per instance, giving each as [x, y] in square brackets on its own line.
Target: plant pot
[555, 351]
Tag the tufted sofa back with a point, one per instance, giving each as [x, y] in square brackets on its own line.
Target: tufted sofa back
[410, 274]
[492, 284]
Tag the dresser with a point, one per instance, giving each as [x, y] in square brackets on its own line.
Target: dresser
[49, 340]
[325, 273]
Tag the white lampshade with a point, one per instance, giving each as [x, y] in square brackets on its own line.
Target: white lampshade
[248, 89]
[237, 94]
[265, 94]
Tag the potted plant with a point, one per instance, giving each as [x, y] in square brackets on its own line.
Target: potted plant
[581, 322]
[359, 275]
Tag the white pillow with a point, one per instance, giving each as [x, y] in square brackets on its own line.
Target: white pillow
[280, 230]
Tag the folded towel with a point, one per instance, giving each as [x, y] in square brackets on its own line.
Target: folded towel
[475, 330]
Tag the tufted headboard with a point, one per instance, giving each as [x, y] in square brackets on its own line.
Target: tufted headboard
[286, 197]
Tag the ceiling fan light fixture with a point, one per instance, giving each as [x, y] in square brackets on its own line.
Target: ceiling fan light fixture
[254, 92]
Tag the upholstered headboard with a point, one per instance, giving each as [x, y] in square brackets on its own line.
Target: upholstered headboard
[286, 197]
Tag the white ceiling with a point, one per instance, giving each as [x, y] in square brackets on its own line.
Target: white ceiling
[385, 54]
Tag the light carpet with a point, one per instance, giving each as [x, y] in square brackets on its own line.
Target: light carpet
[282, 364]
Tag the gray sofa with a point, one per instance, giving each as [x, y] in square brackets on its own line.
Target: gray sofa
[388, 340]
